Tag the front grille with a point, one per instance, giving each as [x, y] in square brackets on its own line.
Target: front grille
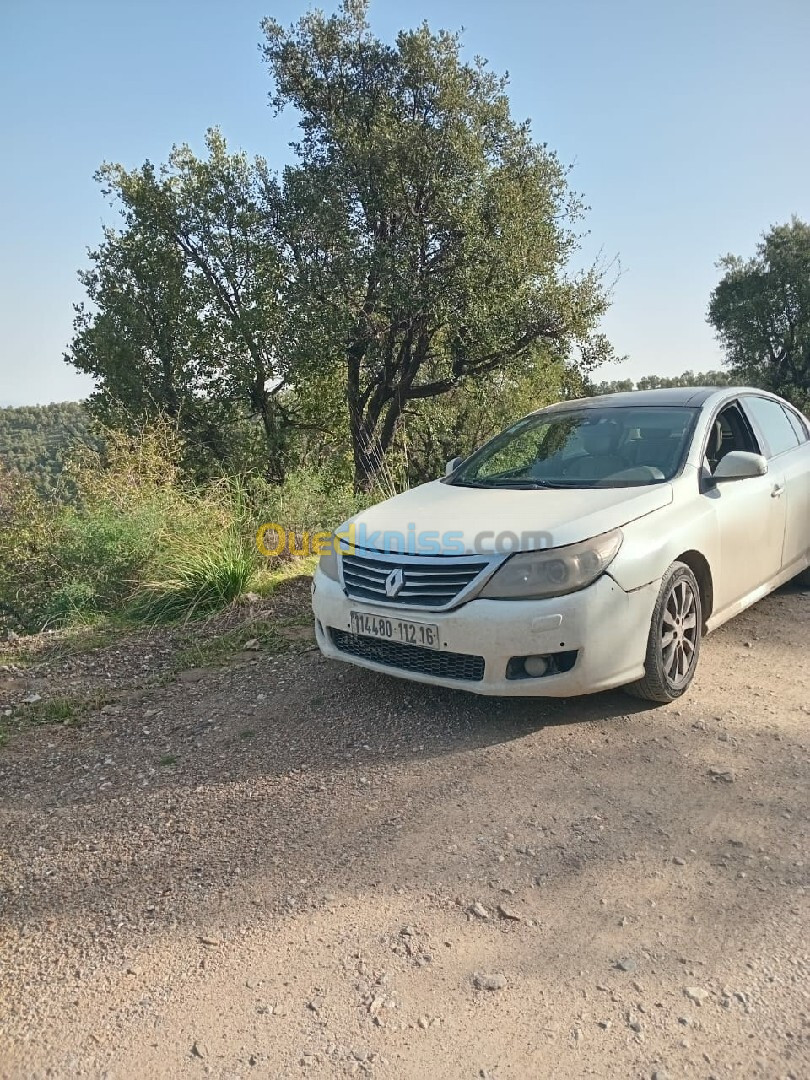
[444, 665]
[427, 583]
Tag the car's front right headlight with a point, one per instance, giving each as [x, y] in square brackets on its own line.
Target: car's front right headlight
[328, 562]
[532, 575]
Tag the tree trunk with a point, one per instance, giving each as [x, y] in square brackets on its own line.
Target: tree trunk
[275, 434]
[373, 427]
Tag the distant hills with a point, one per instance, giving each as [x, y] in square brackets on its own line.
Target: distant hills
[34, 438]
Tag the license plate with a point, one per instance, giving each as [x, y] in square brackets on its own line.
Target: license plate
[400, 630]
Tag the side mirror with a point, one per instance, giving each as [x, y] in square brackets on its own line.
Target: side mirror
[739, 465]
[452, 465]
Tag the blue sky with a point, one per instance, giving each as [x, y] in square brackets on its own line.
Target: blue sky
[686, 124]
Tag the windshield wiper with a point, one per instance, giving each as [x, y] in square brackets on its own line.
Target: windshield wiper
[519, 483]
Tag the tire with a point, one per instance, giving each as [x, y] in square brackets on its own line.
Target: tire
[673, 647]
[803, 578]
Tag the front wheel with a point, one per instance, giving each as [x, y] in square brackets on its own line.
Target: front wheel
[673, 646]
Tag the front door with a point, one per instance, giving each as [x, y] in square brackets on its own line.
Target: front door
[750, 516]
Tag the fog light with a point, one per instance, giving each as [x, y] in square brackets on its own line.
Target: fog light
[535, 666]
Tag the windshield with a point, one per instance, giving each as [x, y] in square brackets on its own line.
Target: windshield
[600, 447]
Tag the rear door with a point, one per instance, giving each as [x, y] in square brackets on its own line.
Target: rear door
[786, 445]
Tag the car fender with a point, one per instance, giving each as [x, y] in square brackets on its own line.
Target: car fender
[652, 543]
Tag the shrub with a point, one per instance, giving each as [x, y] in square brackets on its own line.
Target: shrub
[28, 572]
[132, 538]
[72, 602]
[102, 549]
[85, 555]
[308, 499]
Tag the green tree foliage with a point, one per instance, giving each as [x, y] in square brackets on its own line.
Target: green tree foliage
[187, 299]
[143, 339]
[35, 440]
[657, 382]
[688, 378]
[611, 386]
[427, 234]
[761, 312]
[439, 428]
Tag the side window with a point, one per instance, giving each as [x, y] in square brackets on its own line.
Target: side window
[730, 431]
[772, 420]
[797, 424]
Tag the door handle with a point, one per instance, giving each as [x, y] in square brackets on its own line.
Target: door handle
[777, 490]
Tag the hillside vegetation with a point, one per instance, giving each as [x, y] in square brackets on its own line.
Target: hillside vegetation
[35, 439]
[129, 537]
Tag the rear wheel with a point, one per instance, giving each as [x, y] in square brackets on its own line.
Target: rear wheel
[673, 646]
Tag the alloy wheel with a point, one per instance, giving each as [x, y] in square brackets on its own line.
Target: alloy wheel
[679, 633]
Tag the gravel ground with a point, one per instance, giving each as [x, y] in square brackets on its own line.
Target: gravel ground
[272, 865]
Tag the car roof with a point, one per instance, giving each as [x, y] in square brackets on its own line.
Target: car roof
[673, 395]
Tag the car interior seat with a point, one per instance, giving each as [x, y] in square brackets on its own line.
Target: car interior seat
[600, 459]
[656, 448]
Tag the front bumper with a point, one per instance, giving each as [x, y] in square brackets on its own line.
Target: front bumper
[606, 627]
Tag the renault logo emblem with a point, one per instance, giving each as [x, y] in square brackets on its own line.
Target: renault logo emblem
[394, 583]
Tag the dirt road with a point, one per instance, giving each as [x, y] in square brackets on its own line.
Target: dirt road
[274, 866]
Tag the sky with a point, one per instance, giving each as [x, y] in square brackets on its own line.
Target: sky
[686, 125]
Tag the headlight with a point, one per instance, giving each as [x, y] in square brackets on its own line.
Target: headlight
[534, 574]
[328, 562]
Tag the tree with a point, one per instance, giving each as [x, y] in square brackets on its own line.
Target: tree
[657, 382]
[433, 430]
[688, 378]
[187, 297]
[611, 386]
[427, 234]
[761, 312]
[143, 340]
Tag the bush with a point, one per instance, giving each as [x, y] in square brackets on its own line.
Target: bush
[307, 500]
[28, 574]
[127, 531]
[100, 553]
[132, 539]
[73, 602]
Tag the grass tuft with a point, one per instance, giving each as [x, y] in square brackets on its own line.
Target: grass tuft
[197, 581]
[59, 710]
[68, 711]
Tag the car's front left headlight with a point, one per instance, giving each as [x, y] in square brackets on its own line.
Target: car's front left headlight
[531, 575]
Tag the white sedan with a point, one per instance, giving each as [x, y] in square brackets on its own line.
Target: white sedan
[590, 545]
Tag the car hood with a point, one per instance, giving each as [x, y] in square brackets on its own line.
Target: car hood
[439, 518]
